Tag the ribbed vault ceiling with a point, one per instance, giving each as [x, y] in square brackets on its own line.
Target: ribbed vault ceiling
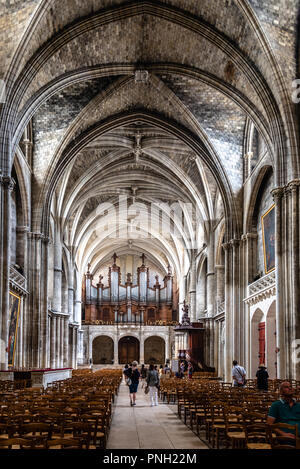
[212, 74]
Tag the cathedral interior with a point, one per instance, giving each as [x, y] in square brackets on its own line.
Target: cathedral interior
[149, 184]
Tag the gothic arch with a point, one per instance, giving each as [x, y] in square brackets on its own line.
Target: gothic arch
[103, 350]
[154, 350]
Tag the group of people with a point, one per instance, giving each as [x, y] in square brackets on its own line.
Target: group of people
[286, 410]
[150, 377]
[239, 376]
[185, 367]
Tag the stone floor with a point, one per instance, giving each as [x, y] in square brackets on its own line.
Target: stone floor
[146, 427]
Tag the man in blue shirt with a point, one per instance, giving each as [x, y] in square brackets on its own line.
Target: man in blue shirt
[286, 410]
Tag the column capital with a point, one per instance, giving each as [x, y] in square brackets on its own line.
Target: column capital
[226, 246]
[35, 235]
[247, 236]
[7, 182]
[277, 193]
[235, 242]
[293, 185]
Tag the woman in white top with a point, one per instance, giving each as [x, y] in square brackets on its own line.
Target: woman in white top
[153, 383]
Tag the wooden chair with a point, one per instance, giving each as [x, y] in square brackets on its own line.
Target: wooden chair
[280, 441]
[217, 423]
[97, 433]
[16, 443]
[36, 432]
[257, 436]
[234, 427]
[64, 443]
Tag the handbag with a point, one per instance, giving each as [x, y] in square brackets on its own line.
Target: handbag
[146, 389]
[128, 381]
[243, 376]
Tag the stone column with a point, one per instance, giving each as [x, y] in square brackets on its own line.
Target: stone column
[220, 280]
[62, 341]
[66, 342]
[228, 313]
[295, 293]
[7, 185]
[142, 345]
[249, 254]
[90, 345]
[36, 299]
[22, 260]
[237, 332]
[57, 251]
[71, 293]
[44, 333]
[192, 289]
[58, 340]
[80, 347]
[167, 347]
[184, 296]
[76, 347]
[280, 279]
[73, 347]
[53, 342]
[247, 164]
[116, 349]
[211, 291]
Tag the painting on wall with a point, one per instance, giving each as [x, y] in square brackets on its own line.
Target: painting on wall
[268, 235]
[14, 310]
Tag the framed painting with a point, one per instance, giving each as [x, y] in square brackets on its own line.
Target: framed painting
[268, 235]
[14, 311]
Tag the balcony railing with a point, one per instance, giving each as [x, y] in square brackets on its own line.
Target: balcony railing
[99, 322]
[262, 283]
[261, 289]
[17, 280]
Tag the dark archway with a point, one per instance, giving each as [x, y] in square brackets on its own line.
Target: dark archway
[129, 350]
[103, 350]
[155, 350]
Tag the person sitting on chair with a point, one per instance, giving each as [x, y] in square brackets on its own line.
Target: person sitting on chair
[286, 410]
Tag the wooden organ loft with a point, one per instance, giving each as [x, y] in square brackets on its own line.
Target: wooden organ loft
[129, 303]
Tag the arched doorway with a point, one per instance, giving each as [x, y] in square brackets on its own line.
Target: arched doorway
[103, 350]
[271, 341]
[129, 350]
[155, 350]
[257, 341]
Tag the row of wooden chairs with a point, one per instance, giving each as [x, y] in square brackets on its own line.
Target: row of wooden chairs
[74, 413]
[236, 416]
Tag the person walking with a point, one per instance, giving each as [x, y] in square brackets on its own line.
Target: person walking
[262, 378]
[133, 386]
[153, 383]
[125, 372]
[143, 375]
[238, 375]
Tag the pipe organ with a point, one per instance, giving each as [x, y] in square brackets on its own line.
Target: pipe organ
[128, 303]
